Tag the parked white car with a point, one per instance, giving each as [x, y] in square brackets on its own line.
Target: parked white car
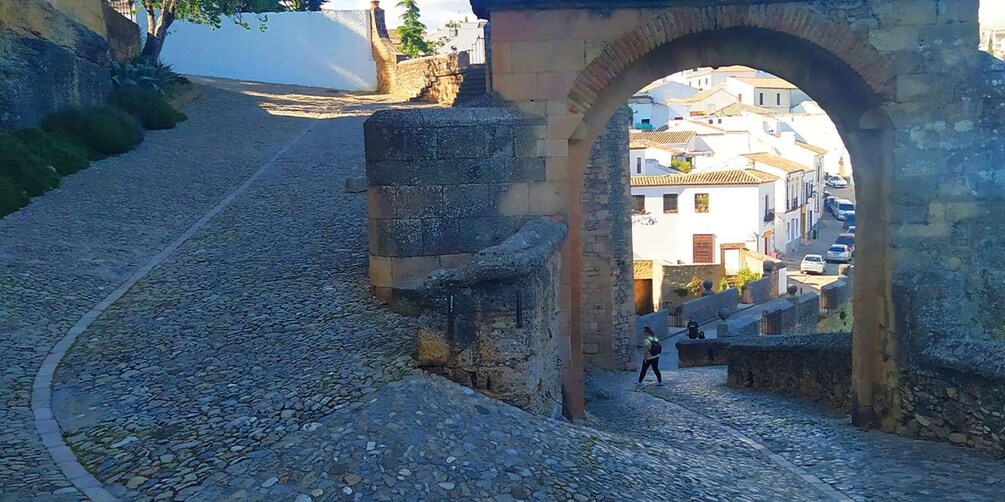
[842, 207]
[838, 253]
[837, 182]
[812, 264]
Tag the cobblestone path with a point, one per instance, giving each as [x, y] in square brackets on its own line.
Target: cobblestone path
[861, 464]
[252, 364]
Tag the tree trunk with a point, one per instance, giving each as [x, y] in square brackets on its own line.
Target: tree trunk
[157, 29]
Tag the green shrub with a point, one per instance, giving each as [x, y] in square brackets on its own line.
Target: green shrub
[25, 169]
[102, 131]
[145, 73]
[58, 152]
[12, 196]
[151, 108]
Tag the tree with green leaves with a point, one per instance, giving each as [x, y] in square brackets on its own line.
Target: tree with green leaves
[991, 45]
[412, 32]
[162, 13]
[681, 165]
[305, 5]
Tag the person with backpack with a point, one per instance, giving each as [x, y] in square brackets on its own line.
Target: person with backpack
[652, 347]
[692, 328]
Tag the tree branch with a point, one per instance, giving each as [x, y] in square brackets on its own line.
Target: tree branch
[151, 18]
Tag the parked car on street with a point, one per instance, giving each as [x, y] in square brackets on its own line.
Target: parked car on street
[829, 203]
[836, 182]
[838, 253]
[812, 263]
[849, 219]
[848, 240]
[851, 230]
[842, 207]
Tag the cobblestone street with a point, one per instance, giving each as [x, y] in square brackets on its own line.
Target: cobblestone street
[252, 363]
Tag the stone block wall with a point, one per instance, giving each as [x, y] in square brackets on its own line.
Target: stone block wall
[802, 315]
[676, 277]
[707, 308]
[436, 79]
[816, 366]
[959, 396]
[694, 353]
[123, 35]
[492, 324]
[608, 269]
[49, 61]
[757, 291]
[740, 325]
[444, 184]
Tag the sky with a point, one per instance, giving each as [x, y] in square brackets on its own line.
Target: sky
[434, 13]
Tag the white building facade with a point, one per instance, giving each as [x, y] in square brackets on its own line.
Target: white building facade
[689, 219]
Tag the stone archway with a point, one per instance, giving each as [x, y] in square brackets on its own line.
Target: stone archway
[879, 72]
[791, 42]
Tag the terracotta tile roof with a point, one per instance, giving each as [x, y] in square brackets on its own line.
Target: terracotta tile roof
[767, 83]
[779, 162]
[735, 177]
[812, 148]
[738, 108]
[640, 144]
[700, 95]
[663, 137]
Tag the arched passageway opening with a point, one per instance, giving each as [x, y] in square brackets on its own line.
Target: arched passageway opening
[855, 105]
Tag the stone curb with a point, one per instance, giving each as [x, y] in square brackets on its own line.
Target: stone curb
[185, 99]
[41, 396]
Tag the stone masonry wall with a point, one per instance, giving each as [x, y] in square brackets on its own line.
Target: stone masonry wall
[959, 396]
[434, 78]
[707, 308]
[757, 291]
[48, 61]
[123, 35]
[444, 184]
[815, 366]
[492, 324]
[677, 277]
[608, 269]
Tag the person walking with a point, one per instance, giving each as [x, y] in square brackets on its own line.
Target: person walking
[652, 347]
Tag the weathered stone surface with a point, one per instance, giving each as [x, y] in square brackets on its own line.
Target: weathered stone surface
[815, 366]
[692, 353]
[48, 61]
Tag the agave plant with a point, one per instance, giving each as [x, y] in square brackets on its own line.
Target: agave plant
[143, 73]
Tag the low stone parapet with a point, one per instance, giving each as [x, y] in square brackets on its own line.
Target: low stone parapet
[658, 321]
[816, 366]
[707, 308]
[758, 291]
[692, 353]
[739, 325]
[957, 395]
[492, 323]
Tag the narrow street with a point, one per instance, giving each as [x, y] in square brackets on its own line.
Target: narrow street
[830, 227]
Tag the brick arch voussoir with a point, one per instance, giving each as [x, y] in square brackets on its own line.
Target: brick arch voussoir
[800, 21]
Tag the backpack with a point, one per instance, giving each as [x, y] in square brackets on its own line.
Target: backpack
[655, 348]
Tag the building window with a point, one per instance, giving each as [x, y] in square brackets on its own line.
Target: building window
[670, 203]
[701, 202]
[638, 204]
[638, 165]
[761, 99]
[778, 99]
[720, 121]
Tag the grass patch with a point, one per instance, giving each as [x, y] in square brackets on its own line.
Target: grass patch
[101, 131]
[12, 196]
[24, 168]
[150, 107]
[58, 152]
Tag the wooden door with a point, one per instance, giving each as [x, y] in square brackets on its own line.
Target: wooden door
[703, 248]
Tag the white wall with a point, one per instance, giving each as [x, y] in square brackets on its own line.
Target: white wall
[735, 216]
[329, 49]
